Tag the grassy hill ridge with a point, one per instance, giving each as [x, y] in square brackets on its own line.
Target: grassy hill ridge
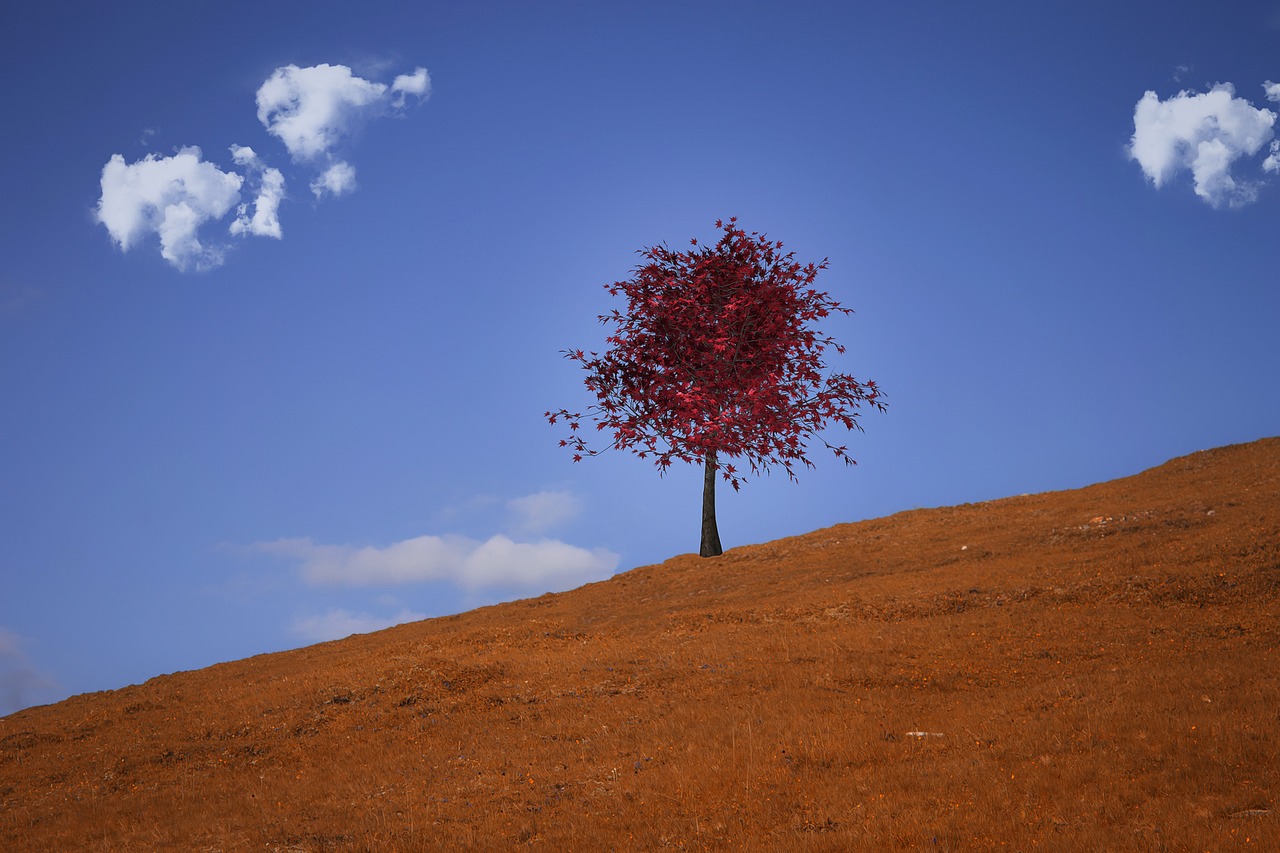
[1087, 669]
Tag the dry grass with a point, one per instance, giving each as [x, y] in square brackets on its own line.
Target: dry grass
[1082, 670]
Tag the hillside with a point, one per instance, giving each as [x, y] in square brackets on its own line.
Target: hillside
[1091, 669]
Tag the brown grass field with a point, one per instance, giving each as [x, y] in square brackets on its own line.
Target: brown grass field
[1086, 670]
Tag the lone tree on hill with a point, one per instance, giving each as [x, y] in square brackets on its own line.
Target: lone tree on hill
[715, 357]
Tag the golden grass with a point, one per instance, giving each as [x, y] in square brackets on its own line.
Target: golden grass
[1085, 670]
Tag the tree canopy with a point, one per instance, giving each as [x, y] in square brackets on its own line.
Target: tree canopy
[716, 356]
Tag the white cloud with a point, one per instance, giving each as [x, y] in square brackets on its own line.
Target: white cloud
[544, 510]
[312, 109]
[1272, 163]
[465, 562]
[243, 155]
[1203, 133]
[338, 179]
[425, 558]
[547, 564]
[337, 623]
[265, 221]
[168, 196]
[418, 83]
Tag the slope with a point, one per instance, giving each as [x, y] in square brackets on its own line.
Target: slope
[1090, 669]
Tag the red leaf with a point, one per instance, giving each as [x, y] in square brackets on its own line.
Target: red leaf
[715, 349]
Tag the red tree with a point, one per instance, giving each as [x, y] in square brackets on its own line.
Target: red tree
[715, 357]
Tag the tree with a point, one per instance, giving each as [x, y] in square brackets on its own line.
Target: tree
[715, 358]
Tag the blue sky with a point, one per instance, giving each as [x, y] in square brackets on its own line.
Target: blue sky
[218, 440]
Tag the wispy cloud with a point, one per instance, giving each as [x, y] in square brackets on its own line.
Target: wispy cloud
[337, 623]
[520, 561]
[465, 562]
[544, 510]
[548, 563]
[313, 111]
[14, 299]
[21, 684]
[1206, 134]
[476, 505]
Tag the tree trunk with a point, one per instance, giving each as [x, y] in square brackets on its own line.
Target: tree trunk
[710, 533]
